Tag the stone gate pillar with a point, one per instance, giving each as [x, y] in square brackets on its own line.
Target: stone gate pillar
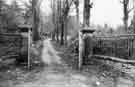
[85, 45]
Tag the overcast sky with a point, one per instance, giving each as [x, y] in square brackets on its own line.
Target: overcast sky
[107, 11]
[103, 11]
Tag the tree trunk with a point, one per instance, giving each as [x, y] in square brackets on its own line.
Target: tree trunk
[77, 9]
[126, 25]
[61, 21]
[86, 13]
[63, 9]
[54, 14]
[65, 30]
[57, 33]
[36, 21]
[126, 14]
[53, 35]
[62, 32]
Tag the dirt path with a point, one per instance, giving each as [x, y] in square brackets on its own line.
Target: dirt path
[49, 55]
[57, 74]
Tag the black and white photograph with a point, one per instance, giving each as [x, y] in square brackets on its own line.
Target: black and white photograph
[67, 43]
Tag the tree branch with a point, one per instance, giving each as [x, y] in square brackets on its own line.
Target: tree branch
[66, 9]
[71, 3]
[130, 10]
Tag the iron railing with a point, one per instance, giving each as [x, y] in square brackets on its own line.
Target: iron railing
[122, 46]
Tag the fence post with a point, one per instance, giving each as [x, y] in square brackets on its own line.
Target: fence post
[29, 45]
[81, 48]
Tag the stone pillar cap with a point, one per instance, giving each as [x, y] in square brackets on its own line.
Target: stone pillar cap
[87, 30]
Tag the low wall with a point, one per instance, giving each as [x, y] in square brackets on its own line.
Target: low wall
[12, 45]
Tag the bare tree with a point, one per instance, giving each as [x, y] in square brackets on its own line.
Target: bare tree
[126, 11]
[36, 19]
[66, 4]
[86, 13]
[53, 6]
[64, 7]
[57, 20]
[56, 14]
[77, 8]
[65, 20]
[60, 18]
[28, 12]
